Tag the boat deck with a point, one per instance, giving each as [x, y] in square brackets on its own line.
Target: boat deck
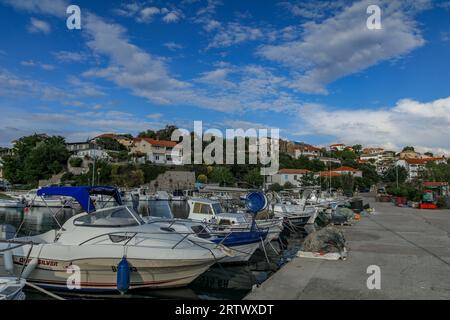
[411, 247]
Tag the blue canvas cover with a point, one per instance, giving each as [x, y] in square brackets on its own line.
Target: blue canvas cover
[81, 194]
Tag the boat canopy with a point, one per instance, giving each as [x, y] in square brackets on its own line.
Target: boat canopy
[82, 194]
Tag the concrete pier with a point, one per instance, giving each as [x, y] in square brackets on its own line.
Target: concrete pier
[411, 247]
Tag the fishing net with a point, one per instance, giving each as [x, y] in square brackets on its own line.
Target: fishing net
[328, 239]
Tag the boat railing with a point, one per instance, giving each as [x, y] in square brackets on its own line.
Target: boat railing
[18, 244]
[132, 234]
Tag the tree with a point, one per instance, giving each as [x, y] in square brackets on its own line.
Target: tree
[110, 144]
[254, 178]
[147, 134]
[202, 178]
[308, 180]
[34, 158]
[408, 148]
[288, 185]
[76, 162]
[276, 187]
[222, 175]
[357, 148]
[391, 174]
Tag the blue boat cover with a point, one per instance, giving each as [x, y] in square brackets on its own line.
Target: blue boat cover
[81, 194]
[240, 238]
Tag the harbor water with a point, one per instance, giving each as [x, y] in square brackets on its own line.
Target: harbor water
[219, 282]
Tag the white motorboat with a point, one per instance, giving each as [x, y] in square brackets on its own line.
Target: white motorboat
[33, 200]
[298, 215]
[94, 242]
[242, 243]
[11, 203]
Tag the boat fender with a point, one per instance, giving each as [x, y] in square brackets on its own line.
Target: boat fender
[8, 261]
[29, 268]
[123, 276]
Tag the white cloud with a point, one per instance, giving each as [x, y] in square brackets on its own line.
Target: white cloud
[234, 33]
[129, 66]
[342, 45]
[69, 56]
[37, 26]
[172, 17]
[173, 46]
[75, 126]
[409, 122]
[155, 116]
[147, 14]
[52, 7]
[32, 63]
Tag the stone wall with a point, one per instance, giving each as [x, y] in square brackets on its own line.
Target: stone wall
[172, 180]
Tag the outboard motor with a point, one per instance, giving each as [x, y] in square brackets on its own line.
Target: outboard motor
[123, 275]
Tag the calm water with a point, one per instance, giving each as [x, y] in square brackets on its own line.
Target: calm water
[219, 282]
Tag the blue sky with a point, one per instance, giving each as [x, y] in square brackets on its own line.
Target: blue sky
[311, 68]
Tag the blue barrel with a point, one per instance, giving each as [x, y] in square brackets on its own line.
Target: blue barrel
[123, 276]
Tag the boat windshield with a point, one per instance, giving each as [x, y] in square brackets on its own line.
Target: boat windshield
[112, 217]
[217, 208]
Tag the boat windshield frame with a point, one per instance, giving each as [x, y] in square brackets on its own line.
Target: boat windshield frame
[90, 218]
[217, 208]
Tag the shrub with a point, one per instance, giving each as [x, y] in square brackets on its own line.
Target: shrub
[441, 202]
[75, 162]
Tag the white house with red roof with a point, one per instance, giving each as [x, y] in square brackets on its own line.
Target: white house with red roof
[292, 176]
[416, 167]
[156, 151]
[337, 147]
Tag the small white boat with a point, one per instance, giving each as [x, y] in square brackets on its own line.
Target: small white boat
[298, 215]
[11, 288]
[212, 213]
[11, 203]
[33, 200]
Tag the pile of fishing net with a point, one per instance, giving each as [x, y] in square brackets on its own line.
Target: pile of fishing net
[328, 239]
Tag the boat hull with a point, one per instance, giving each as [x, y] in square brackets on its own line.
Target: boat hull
[100, 274]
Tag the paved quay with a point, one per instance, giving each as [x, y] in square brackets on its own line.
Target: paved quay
[411, 247]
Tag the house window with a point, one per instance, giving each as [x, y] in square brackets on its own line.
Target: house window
[156, 158]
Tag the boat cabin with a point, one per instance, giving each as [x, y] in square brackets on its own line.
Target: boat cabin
[211, 211]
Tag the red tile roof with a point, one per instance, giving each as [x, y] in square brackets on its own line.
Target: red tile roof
[329, 174]
[435, 184]
[346, 169]
[293, 171]
[159, 143]
[417, 161]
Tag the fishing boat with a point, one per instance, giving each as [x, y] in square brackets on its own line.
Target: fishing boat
[108, 245]
[212, 213]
